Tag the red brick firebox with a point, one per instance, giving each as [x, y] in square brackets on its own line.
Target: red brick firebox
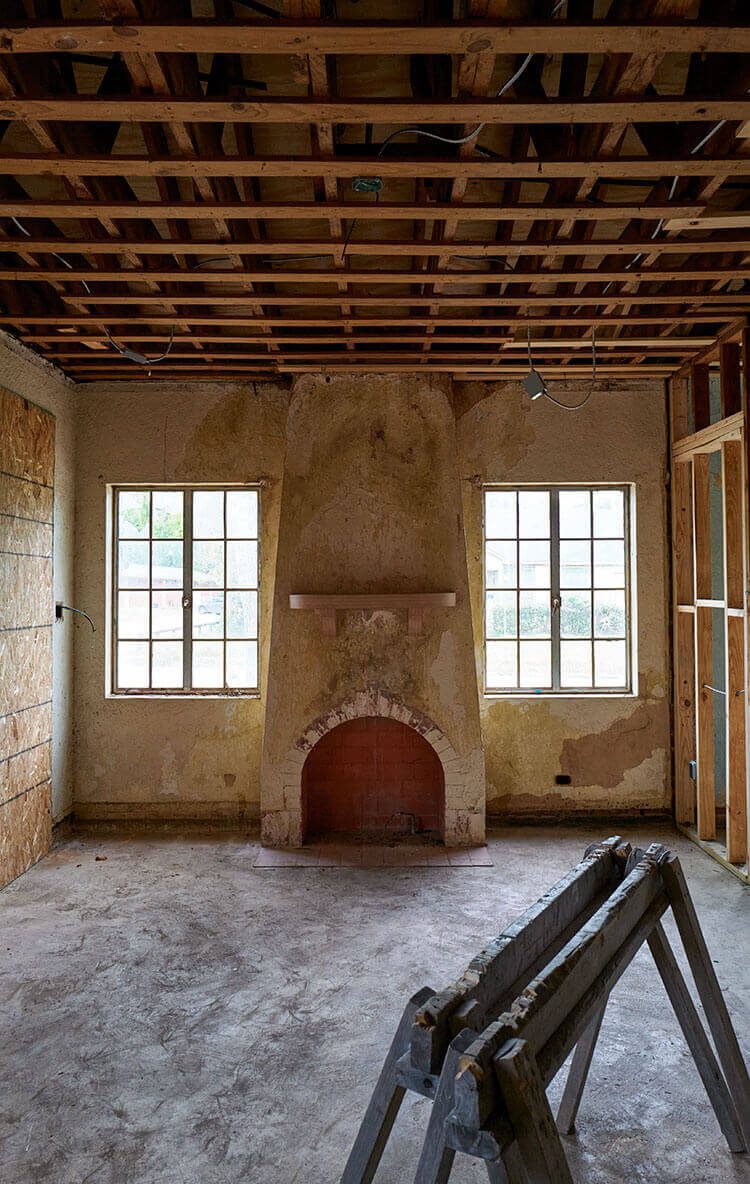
[371, 776]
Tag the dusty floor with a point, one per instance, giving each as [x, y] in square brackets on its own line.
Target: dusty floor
[171, 1015]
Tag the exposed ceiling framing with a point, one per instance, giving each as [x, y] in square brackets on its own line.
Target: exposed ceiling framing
[178, 178]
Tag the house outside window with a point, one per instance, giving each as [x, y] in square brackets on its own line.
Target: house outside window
[185, 590]
[557, 590]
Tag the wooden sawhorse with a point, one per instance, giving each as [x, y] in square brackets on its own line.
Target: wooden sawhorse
[485, 1049]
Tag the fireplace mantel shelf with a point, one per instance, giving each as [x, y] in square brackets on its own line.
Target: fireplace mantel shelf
[414, 602]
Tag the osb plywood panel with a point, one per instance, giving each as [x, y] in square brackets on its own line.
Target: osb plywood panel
[27, 440]
[27, 453]
[26, 499]
[24, 771]
[21, 536]
[24, 729]
[25, 668]
[25, 831]
[25, 591]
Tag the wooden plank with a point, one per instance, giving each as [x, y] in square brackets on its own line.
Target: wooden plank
[333, 322]
[679, 399]
[516, 952]
[551, 346]
[709, 992]
[579, 1070]
[381, 211]
[709, 221]
[729, 370]
[41, 164]
[706, 794]
[201, 35]
[320, 247]
[319, 276]
[157, 109]
[734, 526]
[736, 788]
[523, 300]
[384, 1106]
[526, 1103]
[700, 391]
[709, 439]
[684, 639]
[695, 1037]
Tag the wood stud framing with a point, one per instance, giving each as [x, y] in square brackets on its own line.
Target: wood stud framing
[708, 537]
[255, 168]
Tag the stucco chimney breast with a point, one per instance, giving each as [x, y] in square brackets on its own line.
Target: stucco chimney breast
[371, 505]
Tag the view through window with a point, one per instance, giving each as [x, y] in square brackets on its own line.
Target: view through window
[557, 589]
[185, 590]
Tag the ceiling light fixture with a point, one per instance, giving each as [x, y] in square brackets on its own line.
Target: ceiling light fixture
[536, 387]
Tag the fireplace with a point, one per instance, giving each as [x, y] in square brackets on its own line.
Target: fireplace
[372, 778]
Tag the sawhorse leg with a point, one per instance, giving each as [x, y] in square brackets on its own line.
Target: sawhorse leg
[528, 1109]
[579, 1071]
[695, 1036]
[436, 1160]
[385, 1102]
[709, 991]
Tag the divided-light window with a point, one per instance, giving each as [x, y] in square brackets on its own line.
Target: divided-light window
[185, 590]
[557, 590]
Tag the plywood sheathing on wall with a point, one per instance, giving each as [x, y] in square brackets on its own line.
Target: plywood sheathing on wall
[615, 749]
[27, 467]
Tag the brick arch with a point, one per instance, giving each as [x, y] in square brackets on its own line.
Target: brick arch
[282, 823]
[372, 776]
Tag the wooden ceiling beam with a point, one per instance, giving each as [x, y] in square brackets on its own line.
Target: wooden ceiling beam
[704, 317]
[387, 38]
[203, 276]
[153, 108]
[688, 216]
[671, 345]
[520, 301]
[45, 164]
[392, 248]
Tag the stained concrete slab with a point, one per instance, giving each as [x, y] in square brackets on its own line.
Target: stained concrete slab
[171, 1015]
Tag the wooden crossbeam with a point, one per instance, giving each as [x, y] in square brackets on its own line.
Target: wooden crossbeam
[368, 366]
[205, 276]
[21, 164]
[328, 247]
[363, 211]
[668, 345]
[521, 301]
[157, 109]
[334, 322]
[200, 35]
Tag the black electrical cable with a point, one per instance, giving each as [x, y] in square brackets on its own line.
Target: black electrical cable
[545, 392]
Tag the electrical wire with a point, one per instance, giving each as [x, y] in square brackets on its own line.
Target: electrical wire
[558, 402]
[472, 135]
[131, 354]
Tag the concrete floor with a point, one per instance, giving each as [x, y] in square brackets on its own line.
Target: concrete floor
[171, 1015]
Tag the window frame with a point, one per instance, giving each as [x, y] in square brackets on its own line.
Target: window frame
[555, 691]
[187, 489]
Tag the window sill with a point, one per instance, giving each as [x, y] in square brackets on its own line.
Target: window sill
[511, 696]
[192, 695]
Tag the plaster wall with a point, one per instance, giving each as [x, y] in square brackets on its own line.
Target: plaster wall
[616, 750]
[165, 757]
[371, 503]
[27, 375]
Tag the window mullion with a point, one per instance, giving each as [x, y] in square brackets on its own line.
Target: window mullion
[187, 595]
[555, 585]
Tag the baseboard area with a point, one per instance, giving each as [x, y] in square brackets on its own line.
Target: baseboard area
[181, 813]
[577, 818]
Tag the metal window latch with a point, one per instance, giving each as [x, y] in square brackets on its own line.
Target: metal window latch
[556, 602]
[186, 602]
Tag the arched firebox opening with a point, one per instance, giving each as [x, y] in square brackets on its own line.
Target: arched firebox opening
[373, 778]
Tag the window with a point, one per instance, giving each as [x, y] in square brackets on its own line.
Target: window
[557, 590]
[185, 590]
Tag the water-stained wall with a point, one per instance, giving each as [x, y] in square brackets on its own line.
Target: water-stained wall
[166, 757]
[381, 493]
[615, 750]
[371, 503]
